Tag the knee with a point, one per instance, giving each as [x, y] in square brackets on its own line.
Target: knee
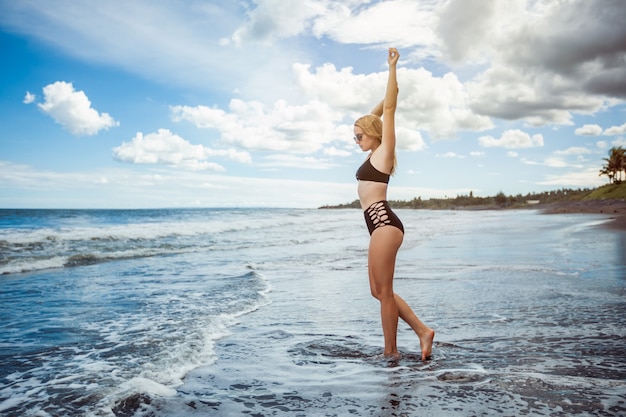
[381, 293]
[384, 292]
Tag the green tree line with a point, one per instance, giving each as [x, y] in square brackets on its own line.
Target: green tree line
[470, 201]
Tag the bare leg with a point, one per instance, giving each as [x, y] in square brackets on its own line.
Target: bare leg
[424, 333]
[384, 245]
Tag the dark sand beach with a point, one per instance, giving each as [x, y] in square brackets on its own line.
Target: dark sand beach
[614, 209]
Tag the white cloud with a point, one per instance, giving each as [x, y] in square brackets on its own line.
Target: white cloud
[29, 98]
[275, 19]
[581, 41]
[589, 130]
[511, 92]
[568, 158]
[166, 148]
[555, 162]
[332, 151]
[342, 89]
[401, 23]
[161, 187]
[574, 150]
[408, 139]
[546, 60]
[587, 178]
[292, 161]
[596, 130]
[512, 139]
[465, 27]
[615, 130]
[602, 144]
[252, 125]
[451, 155]
[541, 61]
[438, 105]
[72, 110]
[619, 142]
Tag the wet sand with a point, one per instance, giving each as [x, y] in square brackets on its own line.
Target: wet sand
[614, 209]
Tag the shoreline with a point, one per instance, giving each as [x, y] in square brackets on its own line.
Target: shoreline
[614, 209]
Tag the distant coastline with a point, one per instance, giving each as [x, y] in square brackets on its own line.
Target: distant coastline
[607, 200]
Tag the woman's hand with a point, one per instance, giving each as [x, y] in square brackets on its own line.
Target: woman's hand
[393, 56]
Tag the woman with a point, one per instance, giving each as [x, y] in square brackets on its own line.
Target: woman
[386, 231]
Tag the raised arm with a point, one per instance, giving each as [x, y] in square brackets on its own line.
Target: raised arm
[389, 105]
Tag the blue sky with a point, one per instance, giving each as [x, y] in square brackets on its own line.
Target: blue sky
[141, 104]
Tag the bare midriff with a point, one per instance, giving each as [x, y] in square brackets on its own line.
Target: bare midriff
[371, 192]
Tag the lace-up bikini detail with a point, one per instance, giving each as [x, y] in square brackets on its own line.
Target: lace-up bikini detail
[379, 214]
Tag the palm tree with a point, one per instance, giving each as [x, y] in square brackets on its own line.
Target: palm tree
[605, 171]
[615, 165]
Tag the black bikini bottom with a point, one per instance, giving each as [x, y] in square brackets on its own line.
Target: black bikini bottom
[379, 214]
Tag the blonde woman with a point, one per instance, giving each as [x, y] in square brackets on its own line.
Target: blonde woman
[378, 137]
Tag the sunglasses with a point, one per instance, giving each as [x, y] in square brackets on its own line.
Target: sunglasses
[358, 138]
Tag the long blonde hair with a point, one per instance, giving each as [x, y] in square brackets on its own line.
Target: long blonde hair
[372, 125]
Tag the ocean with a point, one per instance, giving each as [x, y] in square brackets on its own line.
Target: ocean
[267, 312]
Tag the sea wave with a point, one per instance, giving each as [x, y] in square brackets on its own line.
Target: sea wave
[34, 248]
[130, 346]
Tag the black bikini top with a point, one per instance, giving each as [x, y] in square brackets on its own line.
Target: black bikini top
[367, 172]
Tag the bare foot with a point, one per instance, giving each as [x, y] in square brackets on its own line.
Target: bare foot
[394, 356]
[390, 358]
[426, 343]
